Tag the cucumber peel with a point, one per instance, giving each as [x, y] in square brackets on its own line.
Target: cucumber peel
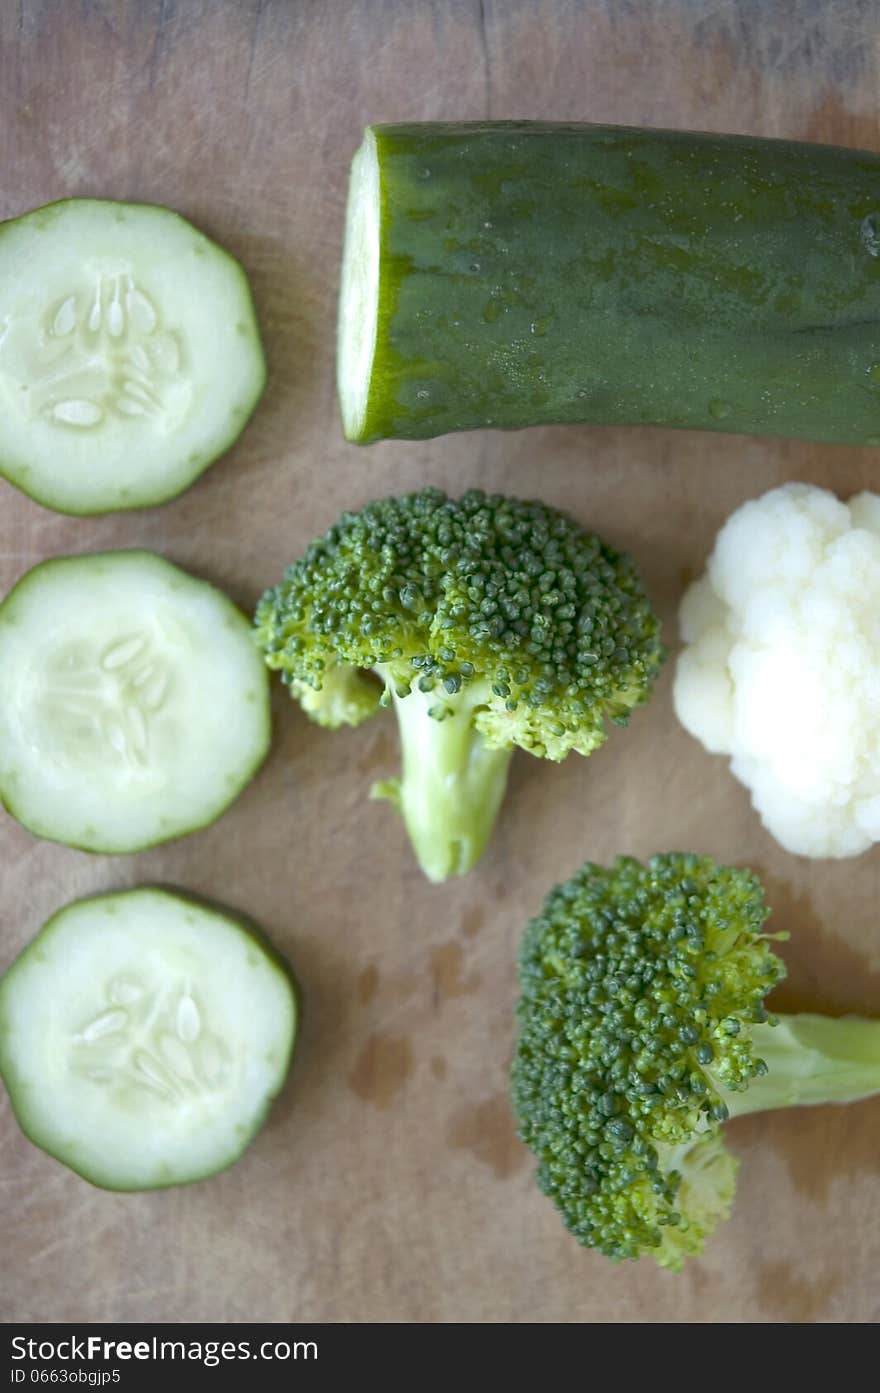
[509, 274]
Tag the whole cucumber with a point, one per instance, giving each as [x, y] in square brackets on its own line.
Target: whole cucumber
[514, 273]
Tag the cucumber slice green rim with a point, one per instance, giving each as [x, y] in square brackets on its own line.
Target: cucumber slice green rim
[143, 1037]
[134, 707]
[130, 355]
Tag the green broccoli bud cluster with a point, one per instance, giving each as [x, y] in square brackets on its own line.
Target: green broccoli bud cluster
[490, 623]
[511, 601]
[641, 985]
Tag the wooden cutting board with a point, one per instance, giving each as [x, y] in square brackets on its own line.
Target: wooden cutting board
[389, 1184]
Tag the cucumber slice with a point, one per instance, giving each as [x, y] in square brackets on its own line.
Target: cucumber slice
[130, 356]
[517, 273]
[143, 1037]
[133, 705]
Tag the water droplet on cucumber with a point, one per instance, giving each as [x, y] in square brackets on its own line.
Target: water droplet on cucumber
[870, 235]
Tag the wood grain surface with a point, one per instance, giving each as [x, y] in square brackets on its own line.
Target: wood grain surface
[389, 1184]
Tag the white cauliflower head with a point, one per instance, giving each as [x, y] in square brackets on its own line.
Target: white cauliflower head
[782, 665]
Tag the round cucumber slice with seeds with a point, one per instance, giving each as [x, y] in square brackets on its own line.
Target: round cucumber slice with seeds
[134, 706]
[130, 356]
[143, 1037]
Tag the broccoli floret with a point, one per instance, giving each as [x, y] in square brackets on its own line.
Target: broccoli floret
[642, 1027]
[490, 622]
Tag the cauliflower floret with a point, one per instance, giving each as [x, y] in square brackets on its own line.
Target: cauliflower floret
[782, 665]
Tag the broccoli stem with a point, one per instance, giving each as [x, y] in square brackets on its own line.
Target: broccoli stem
[811, 1060]
[452, 783]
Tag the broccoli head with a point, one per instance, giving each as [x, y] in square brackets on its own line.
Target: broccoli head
[491, 623]
[642, 1028]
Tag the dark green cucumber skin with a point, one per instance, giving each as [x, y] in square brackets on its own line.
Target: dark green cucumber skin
[534, 273]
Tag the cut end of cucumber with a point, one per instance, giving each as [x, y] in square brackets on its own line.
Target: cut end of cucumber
[359, 292]
[143, 1037]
